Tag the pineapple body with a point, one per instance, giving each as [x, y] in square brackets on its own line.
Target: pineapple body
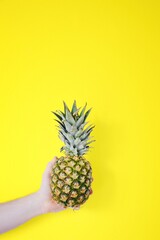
[71, 180]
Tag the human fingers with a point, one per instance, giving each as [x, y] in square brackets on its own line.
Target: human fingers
[91, 191]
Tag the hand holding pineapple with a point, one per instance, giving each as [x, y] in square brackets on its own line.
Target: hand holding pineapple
[16, 212]
[44, 193]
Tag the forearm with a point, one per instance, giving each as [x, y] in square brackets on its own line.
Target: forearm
[16, 212]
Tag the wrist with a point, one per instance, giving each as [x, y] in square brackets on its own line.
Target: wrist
[42, 203]
[37, 203]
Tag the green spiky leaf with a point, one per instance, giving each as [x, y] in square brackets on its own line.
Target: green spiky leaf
[87, 113]
[74, 107]
[83, 110]
[69, 117]
[58, 116]
[80, 121]
[67, 125]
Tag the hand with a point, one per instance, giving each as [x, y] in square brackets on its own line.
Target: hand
[44, 193]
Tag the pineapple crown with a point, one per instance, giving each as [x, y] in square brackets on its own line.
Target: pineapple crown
[73, 131]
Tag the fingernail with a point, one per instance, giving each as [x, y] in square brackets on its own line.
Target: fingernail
[76, 208]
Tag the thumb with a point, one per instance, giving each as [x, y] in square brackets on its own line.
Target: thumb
[49, 167]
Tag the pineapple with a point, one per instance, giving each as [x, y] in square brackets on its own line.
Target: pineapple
[71, 175]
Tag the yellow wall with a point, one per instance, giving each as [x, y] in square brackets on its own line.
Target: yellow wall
[105, 53]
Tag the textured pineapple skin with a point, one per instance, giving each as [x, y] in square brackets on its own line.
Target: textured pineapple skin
[71, 180]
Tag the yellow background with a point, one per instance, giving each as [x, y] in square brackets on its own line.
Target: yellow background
[103, 52]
